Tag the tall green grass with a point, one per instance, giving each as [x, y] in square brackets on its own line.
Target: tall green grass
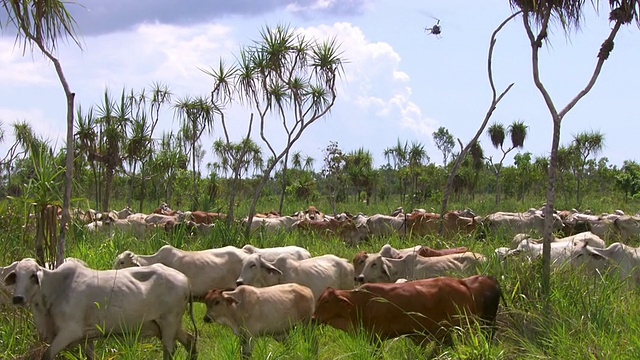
[587, 316]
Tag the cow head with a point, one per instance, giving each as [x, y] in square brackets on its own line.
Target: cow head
[125, 260]
[595, 259]
[358, 262]
[218, 304]
[334, 309]
[26, 277]
[258, 272]
[376, 269]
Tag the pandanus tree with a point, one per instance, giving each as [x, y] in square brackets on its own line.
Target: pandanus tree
[497, 133]
[538, 17]
[289, 81]
[114, 119]
[86, 137]
[196, 116]
[42, 23]
[237, 159]
[399, 154]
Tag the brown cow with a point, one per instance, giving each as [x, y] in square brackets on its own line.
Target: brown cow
[346, 229]
[422, 309]
[203, 217]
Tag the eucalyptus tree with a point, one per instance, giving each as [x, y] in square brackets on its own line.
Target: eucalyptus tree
[289, 81]
[444, 142]
[497, 133]
[628, 179]
[525, 174]
[333, 172]
[537, 17]
[359, 169]
[587, 144]
[43, 23]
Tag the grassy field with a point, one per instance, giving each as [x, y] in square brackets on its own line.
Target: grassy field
[588, 317]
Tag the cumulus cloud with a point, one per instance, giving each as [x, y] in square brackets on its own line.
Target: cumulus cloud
[374, 80]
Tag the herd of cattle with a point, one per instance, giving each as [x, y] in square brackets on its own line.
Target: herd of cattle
[354, 229]
[417, 292]
[255, 292]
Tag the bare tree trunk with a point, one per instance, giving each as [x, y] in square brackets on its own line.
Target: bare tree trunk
[494, 103]
[548, 209]
[284, 181]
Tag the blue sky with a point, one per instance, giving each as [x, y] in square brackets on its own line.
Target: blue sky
[400, 84]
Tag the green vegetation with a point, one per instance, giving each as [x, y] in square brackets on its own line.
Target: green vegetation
[588, 317]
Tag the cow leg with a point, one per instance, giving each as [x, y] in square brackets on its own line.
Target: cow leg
[89, 350]
[246, 345]
[61, 341]
[187, 340]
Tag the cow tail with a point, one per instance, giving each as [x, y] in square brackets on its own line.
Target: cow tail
[193, 321]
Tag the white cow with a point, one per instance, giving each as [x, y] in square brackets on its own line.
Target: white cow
[272, 225]
[206, 269]
[562, 252]
[73, 303]
[412, 266]
[316, 273]
[7, 291]
[389, 252]
[250, 311]
[385, 225]
[587, 236]
[617, 257]
[629, 226]
[270, 254]
[532, 220]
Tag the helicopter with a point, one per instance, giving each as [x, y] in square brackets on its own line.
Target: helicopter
[436, 29]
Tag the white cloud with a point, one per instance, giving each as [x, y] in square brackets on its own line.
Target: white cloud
[374, 79]
[20, 70]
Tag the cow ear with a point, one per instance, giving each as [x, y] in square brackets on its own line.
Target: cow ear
[230, 299]
[10, 279]
[348, 304]
[39, 274]
[269, 267]
[385, 269]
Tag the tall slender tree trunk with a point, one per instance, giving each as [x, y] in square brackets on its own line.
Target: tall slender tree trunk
[193, 168]
[142, 187]
[578, 183]
[108, 181]
[284, 182]
[232, 198]
[548, 210]
[498, 186]
[40, 257]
